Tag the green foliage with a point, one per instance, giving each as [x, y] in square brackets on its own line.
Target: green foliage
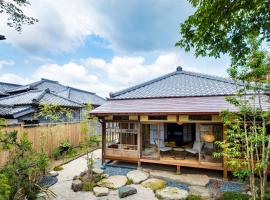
[5, 188]
[58, 168]
[223, 27]
[16, 17]
[267, 196]
[88, 186]
[242, 175]
[234, 196]
[129, 181]
[24, 167]
[54, 113]
[64, 149]
[193, 197]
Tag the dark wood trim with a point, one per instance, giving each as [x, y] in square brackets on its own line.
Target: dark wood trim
[103, 141]
[159, 113]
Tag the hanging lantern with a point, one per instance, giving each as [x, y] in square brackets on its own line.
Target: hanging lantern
[209, 137]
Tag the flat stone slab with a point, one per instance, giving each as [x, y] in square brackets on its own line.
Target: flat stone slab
[137, 176]
[172, 193]
[100, 191]
[98, 170]
[201, 191]
[154, 184]
[190, 179]
[113, 182]
[126, 191]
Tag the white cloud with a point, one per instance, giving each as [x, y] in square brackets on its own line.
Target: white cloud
[129, 26]
[13, 78]
[6, 62]
[125, 71]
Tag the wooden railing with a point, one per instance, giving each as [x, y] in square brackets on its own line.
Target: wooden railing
[48, 136]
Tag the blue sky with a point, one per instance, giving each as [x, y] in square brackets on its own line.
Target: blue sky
[100, 45]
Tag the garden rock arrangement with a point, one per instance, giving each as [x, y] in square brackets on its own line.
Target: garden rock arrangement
[163, 185]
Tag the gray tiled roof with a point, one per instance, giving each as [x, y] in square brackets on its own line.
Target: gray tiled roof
[7, 86]
[81, 96]
[12, 111]
[179, 84]
[74, 94]
[37, 97]
[43, 84]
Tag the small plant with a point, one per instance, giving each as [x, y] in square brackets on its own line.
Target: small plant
[234, 196]
[88, 186]
[129, 181]
[71, 153]
[56, 154]
[194, 197]
[58, 168]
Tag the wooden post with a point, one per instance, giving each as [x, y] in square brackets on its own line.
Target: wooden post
[103, 141]
[200, 156]
[178, 171]
[158, 138]
[139, 144]
[225, 167]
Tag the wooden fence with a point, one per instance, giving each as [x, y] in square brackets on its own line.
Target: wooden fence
[48, 136]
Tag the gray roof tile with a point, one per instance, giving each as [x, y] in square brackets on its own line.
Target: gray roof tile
[81, 96]
[37, 97]
[7, 86]
[179, 84]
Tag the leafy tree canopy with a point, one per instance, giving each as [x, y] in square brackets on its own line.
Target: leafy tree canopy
[223, 26]
[16, 17]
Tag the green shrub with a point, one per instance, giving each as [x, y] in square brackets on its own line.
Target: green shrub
[88, 186]
[71, 153]
[241, 175]
[58, 168]
[234, 196]
[267, 196]
[129, 181]
[194, 197]
[56, 154]
[24, 168]
[5, 188]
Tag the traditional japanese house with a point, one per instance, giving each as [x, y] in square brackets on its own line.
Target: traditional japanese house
[170, 120]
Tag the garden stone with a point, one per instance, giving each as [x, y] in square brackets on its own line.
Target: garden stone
[76, 177]
[53, 173]
[154, 184]
[77, 185]
[41, 196]
[190, 179]
[126, 191]
[100, 191]
[137, 176]
[201, 191]
[97, 170]
[83, 173]
[171, 193]
[113, 182]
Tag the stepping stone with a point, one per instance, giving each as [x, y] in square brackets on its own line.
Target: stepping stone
[98, 170]
[154, 184]
[172, 193]
[137, 176]
[53, 173]
[76, 185]
[100, 191]
[113, 182]
[201, 191]
[190, 179]
[126, 191]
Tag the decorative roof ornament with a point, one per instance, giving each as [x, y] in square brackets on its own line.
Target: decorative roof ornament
[179, 69]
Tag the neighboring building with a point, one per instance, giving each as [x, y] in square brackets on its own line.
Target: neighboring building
[171, 120]
[19, 103]
[23, 106]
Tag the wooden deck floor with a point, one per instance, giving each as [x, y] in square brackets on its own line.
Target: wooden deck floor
[185, 163]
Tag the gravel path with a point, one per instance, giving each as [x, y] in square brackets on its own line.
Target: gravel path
[64, 192]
